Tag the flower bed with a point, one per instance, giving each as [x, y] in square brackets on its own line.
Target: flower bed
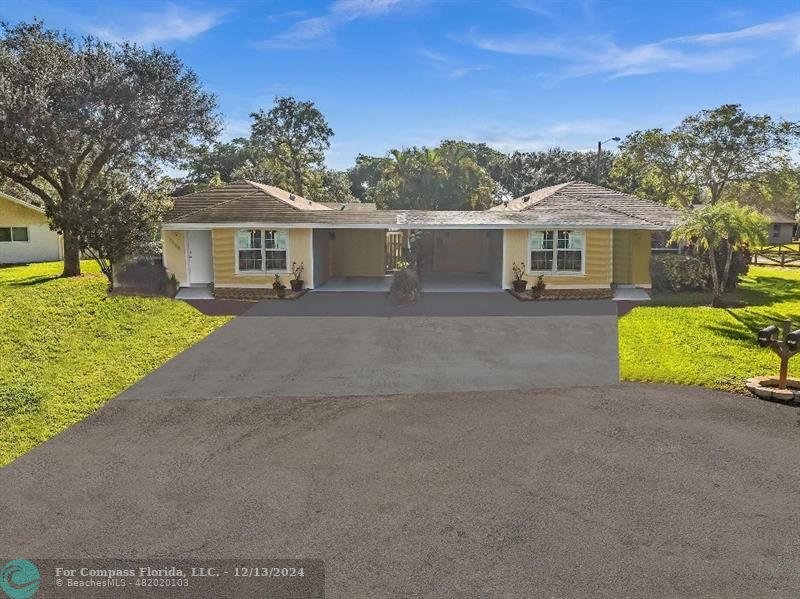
[255, 294]
[564, 294]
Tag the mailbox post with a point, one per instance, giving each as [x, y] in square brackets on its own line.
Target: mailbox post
[768, 337]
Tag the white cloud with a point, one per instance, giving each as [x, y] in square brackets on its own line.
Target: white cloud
[172, 23]
[319, 30]
[701, 53]
[448, 66]
[585, 127]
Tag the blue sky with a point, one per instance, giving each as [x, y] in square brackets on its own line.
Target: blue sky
[526, 74]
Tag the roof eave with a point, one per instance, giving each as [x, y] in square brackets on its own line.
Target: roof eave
[181, 226]
[22, 203]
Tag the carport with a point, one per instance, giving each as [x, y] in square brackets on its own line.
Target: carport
[467, 260]
[450, 260]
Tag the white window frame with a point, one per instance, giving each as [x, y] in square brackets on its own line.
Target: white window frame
[263, 271]
[554, 272]
[11, 232]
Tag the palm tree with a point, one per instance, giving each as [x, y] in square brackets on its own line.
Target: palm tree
[720, 225]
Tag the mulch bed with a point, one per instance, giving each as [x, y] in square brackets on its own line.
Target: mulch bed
[564, 294]
[239, 293]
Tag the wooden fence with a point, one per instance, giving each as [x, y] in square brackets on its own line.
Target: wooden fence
[780, 255]
[395, 248]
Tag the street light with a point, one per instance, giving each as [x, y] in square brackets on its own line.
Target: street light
[599, 150]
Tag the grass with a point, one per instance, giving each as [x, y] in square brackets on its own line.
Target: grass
[680, 339]
[67, 347]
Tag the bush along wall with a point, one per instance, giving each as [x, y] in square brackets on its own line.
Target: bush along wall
[678, 272]
[687, 272]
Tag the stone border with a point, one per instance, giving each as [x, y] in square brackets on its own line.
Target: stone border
[564, 294]
[255, 294]
[766, 387]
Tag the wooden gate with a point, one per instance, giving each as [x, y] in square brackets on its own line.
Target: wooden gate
[395, 249]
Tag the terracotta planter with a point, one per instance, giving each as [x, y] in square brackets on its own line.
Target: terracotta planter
[280, 292]
[519, 286]
[297, 284]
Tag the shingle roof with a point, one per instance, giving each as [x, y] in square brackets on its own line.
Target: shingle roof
[783, 219]
[574, 204]
[239, 198]
[351, 206]
[578, 194]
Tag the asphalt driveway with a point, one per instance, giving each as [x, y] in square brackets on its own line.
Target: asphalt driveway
[624, 491]
[337, 344]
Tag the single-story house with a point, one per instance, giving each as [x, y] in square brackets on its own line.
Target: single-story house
[781, 229]
[578, 235]
[25, 234]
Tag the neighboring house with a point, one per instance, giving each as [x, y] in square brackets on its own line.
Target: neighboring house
[578, 235]
[25, 234]
[781, 229]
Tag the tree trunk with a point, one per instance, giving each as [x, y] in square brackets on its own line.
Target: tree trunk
[716, 293]
[72, 256]
[726, 271]
[298, 182]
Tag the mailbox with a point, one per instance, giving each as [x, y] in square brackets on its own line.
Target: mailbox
[767, 335]
[793, 340]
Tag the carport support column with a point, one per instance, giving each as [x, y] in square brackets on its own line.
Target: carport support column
[503, 276]
[310, 277]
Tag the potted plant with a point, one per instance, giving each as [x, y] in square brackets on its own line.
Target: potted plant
[278, 287]
[405, 287]
[519, 281]
[297, 273]
[538, 289]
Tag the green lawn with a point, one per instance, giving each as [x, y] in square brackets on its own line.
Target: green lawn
[679, 339]
[67, 347]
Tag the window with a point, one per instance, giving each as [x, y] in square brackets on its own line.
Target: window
[556, 251]
[261, 251]
[541, 250]
[9, 234]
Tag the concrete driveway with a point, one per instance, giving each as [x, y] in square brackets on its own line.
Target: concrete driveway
[622, 491]
[359, 344]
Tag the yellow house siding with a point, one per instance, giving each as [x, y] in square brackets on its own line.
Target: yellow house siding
[597, 259]
[640, 258]
[358, 253]
[12, 213]
[174, 247]
[224, 250]
[622, 257]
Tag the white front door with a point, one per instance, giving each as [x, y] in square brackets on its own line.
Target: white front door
[198, 253]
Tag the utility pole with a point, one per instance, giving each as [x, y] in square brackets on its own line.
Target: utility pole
[599, 153]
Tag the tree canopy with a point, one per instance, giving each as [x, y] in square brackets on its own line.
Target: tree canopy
[708, 157]
[295, 135]
[443, 178]
[720, 226]
[74, 111]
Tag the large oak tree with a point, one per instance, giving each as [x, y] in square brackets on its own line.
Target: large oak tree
[75, 111]
[295, 135]
[708, 157]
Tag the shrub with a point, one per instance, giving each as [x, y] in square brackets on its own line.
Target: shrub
[677, 272]
[405, 286]
[740, 264]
